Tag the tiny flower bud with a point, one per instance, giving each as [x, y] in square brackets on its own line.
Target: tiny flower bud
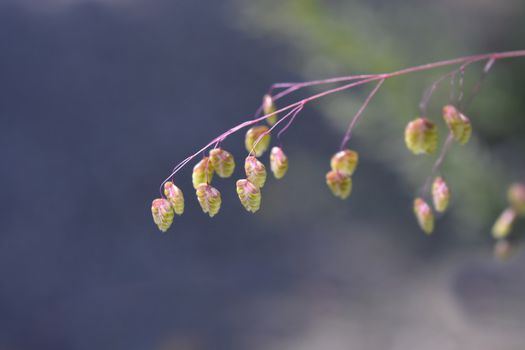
[339, 184]
[175, 197]
[222, 161]
[255, 171]
[516, 196]
[278, 162]
[503, 249]
[458, 124]
[269, 107]
[503, 224]
[424, 215]
[202, 172]
[249, 194]
[252, 135]
[421, 136]
[162, 213]
[440, 194]
[345, 162]
[209, 199]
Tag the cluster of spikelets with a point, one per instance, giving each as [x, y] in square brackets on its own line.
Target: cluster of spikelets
[421, 137]
[222, 163]
[339, 178]
[502, 228]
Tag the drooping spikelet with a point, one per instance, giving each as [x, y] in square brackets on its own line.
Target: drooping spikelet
[269, 107]
[345, 161]
[252, 135]
[222, 161]
[440, 194]
[209, 199]
[162, 213]
[421, 136]
[249, 194]
[424, 215]
[339, 184]
[516, 197]
[175, 197]
[278, 162]
[255, 171]
[202, 172]
[503, 224]
[458, 124]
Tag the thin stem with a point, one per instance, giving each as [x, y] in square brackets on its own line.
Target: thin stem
[295, 113]
[357, 116]
[439, 162]
[365, 79]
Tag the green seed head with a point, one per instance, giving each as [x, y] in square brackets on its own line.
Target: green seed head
[175, 197]
[209, 199]
[162, 213]
[202, 172]
[503, 224]
[339, 184]
[278, 162]
[421, 136]
[252, 135]
[440, 194]
[222, 161]
[269, 107]
[255, 171]
[424, 215]
[345, 162]
[249, 194]
[457, 123]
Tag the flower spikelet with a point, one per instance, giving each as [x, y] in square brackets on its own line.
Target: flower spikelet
[424, 215]
[222, 161]
[162, 213]
[202, 172]
[339, 184]
[249, 194]
[421, 136]
[252, 135]
[458, 124]
[269, 107]
[278, 162]
[209, 199]
[440, 194]
[175, 197]
[255, 171]
[503, 224]
[345, 161]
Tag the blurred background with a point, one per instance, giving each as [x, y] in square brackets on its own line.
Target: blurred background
[99, 99]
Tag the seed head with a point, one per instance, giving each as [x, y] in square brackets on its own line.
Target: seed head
[516, 196]
[249, 194]
[458, 124]
[503, 224]
[345, 161]
[440, 194]
[202, 172]
[339, 184]
[421, 136]
[424, 215]
[255, 171]
[223, 162]
[269, 107]
[252, 135]
[162, 213]
[209, 199]
[175, 197]
[278, 162]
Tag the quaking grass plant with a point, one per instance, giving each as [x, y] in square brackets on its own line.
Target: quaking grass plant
[421, 138]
